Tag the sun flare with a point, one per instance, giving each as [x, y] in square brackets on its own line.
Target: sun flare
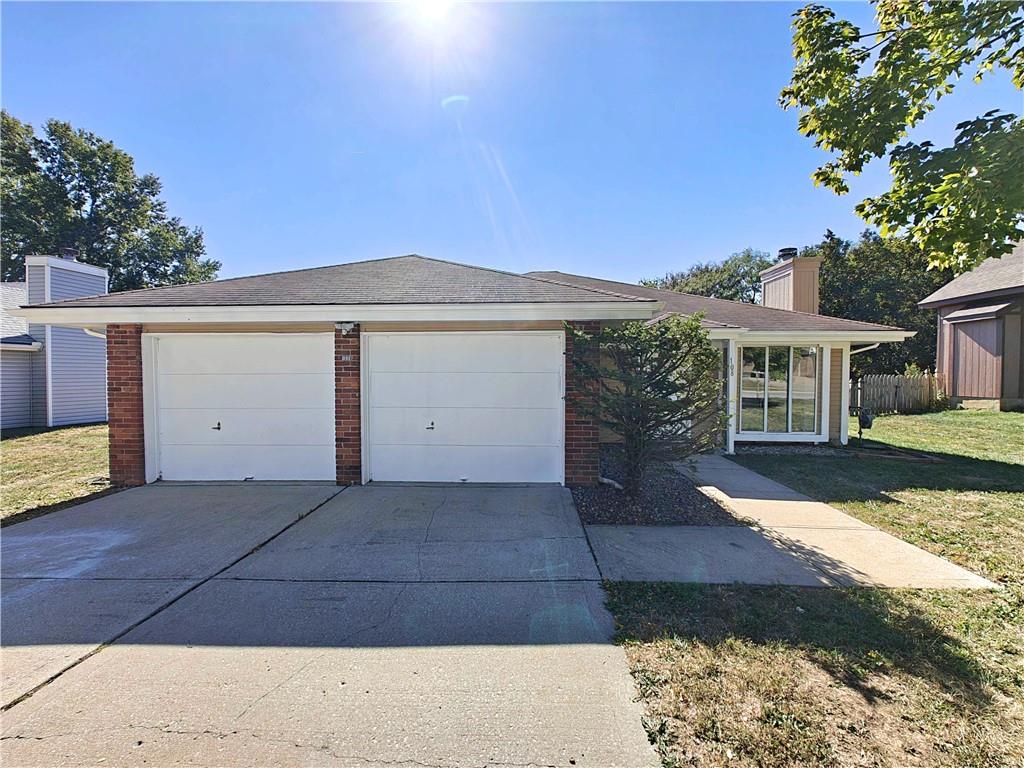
[430, 13]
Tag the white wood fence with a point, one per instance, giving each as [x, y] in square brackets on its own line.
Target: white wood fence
[894, 393]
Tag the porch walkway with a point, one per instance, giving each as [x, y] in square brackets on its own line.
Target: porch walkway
[792, 539]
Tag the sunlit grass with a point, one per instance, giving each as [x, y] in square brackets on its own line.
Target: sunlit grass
[762, 676]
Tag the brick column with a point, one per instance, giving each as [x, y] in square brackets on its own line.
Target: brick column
[581, 429]
[347, 413]
[124, 405]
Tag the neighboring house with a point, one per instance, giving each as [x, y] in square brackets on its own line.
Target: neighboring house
[980, 351]
[51, 376]
[415, 369]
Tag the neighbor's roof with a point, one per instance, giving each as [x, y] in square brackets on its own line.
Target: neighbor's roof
[722, 312]
[13, 330]
[995, 275]
[398, 280]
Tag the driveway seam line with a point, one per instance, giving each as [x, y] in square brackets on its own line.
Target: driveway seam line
[160, 609]
[411, 581]
[586, 536]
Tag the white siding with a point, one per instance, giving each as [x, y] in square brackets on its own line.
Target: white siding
[16, 388]
[65, 284]
[78, 361]
[36, 278]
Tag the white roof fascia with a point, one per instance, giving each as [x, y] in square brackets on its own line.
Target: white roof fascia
[59, 263]
[78, 317]
[824, 337]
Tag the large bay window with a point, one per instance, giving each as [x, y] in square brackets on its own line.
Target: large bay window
[779, 389]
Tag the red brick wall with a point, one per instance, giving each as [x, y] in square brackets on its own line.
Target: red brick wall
[124, 405]
[581, 430]
[347, 414]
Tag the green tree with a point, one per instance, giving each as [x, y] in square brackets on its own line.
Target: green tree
[70, 188]
[655, 386]
[880, 280]
[860, 92]
[737, 278]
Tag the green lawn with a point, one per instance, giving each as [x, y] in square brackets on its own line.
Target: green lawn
[46, 469]
[754, 676]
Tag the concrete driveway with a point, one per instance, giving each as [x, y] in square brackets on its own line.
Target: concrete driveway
[441, 626]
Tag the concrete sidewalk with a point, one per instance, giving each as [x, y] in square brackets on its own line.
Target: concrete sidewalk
[792, 539]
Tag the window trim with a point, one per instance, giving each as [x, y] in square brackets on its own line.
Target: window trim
[816, 430]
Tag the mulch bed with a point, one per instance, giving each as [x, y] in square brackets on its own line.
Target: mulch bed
[855, 450]
[667, 498]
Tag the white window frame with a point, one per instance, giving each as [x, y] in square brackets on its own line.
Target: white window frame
[821, 401]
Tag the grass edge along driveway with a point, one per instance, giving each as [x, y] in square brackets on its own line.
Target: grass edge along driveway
[779, 676]
[43, 470]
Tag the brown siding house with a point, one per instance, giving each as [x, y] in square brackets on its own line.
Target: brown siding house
[980, 351]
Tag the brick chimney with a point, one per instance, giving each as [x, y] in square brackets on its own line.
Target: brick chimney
[792, 283]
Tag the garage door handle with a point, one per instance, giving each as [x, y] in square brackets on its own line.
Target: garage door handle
[430, 425]
[217, 427]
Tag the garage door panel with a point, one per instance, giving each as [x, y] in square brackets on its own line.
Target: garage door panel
[272, 396]
[464, 390]
[456, 426]
[494, 401]
[222, 390]
[453, 352]
[241, 426]
[239, 462]
[222, 353]
[454, 464]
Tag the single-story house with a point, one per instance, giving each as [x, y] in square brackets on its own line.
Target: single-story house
[416, 369]
[980, 351]
[51, 376]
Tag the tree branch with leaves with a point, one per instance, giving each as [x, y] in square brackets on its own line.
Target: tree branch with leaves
[70, 188]
[860, 93]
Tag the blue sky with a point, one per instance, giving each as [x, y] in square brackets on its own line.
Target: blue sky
[618, 140]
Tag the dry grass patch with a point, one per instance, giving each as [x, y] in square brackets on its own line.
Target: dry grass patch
[45, 470]
[766, 676]
[754, 676]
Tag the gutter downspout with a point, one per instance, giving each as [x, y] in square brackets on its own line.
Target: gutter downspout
[864, 349]
[100, 335]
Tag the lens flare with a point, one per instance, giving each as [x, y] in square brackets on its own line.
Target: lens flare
[431, 12]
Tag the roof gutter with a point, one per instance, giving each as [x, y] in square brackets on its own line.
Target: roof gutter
[816, 337]
[35, 346]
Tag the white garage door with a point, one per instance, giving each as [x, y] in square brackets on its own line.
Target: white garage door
[465, 407]
[239, 406]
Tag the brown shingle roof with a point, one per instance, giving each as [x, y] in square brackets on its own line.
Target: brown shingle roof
[994, 275]
[398, 280]
[723, 312]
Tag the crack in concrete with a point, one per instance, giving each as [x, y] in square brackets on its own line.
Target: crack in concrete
[426, 535]
[327, 749]
[319, 747]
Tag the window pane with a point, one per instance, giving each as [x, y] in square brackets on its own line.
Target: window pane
[778, 389]
[805, 389]
[752, 390]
